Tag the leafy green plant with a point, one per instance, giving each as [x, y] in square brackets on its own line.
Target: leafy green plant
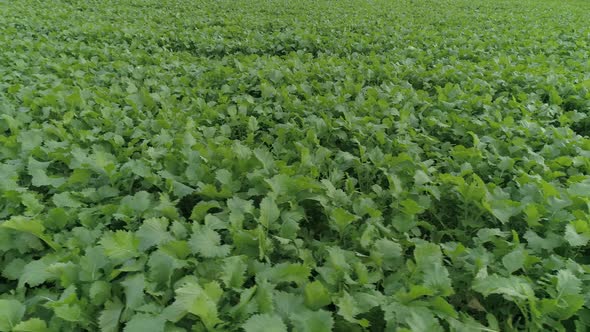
[294, 166]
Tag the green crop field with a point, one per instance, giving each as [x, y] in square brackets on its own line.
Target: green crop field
[306, 166]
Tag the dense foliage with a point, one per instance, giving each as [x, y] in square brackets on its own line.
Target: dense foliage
[179, 165]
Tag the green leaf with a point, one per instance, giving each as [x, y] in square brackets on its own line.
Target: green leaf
[134, 286]
[490, 234]
[153, 232]
[290, 226]
[207, 243]
[100, 292]
[162, 266]
[265, 157]
[31, 226]
[580, 189]
[532, 215]
[34, 274]
[65, 199]
[388, 253]
[574, 238]
[342, 218]
[420, 322]
[14, 269]
[269, 212]
[38, 171]
[421, 178]
[337, 259]
[120, 245]
[200, 302]
[145, 322]
[316, 295]
[514, 260]
[411, 207]
[568, 283]
[427, 255]
[313, 321]
[33, 205]
[503, 209]
[442, 306]
[288, 272]
[10, 176]
[108, 321]
[139, 202]
[348, 309]
[286, 304]
[31, 325]
[265, 322]
[436, 277]
[200, 209]
[264, 296]
[238, 205]
[70, 312]
[512, 287]
[233, 271]
[91, 264]
[538, 244]
[418, 318]
[11, 313]
[416, 291]
[26, 225]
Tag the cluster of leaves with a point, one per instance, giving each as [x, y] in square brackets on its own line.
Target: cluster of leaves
[303, 166]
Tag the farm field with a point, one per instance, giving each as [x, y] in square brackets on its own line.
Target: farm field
[307, 166]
